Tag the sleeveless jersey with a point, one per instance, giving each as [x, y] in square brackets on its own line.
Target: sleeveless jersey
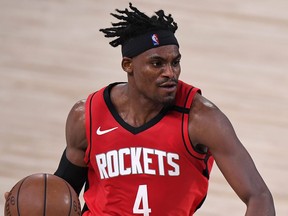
[151, 170]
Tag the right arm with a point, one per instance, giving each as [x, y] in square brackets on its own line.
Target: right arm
[76, 134]
[72, 167]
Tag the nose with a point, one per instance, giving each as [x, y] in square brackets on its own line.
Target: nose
[169, 71]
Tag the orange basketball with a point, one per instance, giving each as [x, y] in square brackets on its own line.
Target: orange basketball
[42, 195]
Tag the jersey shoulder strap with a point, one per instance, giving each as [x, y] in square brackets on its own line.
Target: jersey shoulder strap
[185, 95]
[184, 100]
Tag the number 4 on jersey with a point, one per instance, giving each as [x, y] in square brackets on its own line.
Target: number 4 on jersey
[142, 196]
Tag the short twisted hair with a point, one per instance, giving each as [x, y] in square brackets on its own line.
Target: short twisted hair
[133, 23]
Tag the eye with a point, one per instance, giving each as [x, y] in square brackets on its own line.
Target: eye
[157, 64]
[176, 63]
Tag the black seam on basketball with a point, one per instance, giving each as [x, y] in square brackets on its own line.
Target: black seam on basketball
[18, 193]
[45, 191]
[71, 200]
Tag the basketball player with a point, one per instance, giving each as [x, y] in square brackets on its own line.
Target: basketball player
[146, 146]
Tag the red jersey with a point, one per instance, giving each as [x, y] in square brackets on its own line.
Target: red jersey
[151, 170]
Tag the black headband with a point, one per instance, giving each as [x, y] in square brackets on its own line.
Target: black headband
[153, 39]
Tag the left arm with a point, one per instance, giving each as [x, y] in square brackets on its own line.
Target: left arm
[210, 127]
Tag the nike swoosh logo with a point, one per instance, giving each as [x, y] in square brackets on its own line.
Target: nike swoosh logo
[101, 132]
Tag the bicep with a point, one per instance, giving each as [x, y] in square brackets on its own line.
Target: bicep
[234, 161]
[213, 129]
[76, 134]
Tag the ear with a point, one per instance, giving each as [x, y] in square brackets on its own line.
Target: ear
[127, 65]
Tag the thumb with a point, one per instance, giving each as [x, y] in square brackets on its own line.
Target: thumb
[6, 195]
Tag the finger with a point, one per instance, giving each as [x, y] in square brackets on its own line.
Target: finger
[6, 195]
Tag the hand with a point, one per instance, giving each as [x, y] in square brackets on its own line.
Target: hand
[6, 195]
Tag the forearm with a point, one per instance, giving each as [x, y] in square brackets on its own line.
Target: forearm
[261, 205]
[76, 176]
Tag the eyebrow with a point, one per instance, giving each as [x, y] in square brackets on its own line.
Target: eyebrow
[158, 57]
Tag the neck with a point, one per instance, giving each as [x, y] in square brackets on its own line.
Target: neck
[134, 110]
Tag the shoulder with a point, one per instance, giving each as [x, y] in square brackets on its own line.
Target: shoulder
[76, 134]
[202, 107]
[76, 116]
[78, 109]
[207, 123]
[75, 123]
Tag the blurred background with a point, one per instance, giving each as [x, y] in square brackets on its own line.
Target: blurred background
[52, 55]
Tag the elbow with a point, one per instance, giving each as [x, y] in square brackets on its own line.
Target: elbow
[261, 204]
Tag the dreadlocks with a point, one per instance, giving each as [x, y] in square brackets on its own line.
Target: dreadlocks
[134, 23]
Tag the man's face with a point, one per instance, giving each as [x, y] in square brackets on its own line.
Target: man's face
[155, 74]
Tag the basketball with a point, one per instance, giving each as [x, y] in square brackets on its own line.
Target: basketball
[42, 195]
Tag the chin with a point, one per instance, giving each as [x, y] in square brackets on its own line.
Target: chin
[168, 101]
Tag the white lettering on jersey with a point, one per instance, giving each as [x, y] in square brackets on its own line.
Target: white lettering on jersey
[171, 161]
[122, 169]
[101, 162]
[112, 163]
[161, 155]
[136, 160]
[147, 160]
